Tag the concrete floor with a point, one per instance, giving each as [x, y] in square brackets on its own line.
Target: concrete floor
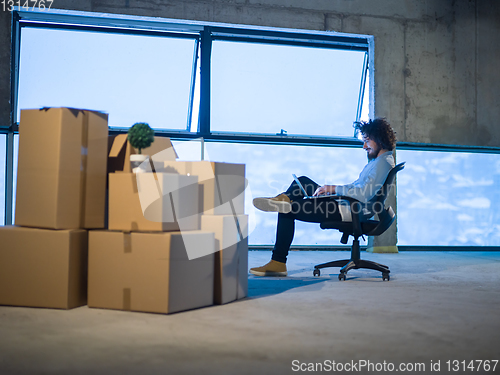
[437, 307]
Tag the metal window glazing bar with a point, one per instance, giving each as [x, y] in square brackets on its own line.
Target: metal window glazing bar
[446, 148]
[363, 248]
[205, 90]
[14, 63]
[93, 19]
[296, 43]
[290, 36]
[193, 84]
[253, 138]
[9, 178]
[362, 88]
[4, 167]
[108, 30]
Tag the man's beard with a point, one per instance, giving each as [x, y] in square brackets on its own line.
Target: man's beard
[373, 153]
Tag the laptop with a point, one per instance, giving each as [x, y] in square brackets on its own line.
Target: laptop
[306, 196]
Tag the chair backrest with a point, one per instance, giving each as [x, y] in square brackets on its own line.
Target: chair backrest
[381, 195]
[386, 216]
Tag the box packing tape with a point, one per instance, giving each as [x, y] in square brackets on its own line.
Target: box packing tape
[83, 168]
[127, 292]
[127, 243]
[134, 183]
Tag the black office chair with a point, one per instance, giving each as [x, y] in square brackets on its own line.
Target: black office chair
[360, 225]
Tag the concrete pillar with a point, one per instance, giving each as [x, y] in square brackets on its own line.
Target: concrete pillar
[387, 241]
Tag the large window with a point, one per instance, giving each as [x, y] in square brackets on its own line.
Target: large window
[448, 199]
[190, 77]
[133, 78]
[267, 88]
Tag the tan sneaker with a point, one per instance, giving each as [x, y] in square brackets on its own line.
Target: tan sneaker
[273, 268]
[280, 203]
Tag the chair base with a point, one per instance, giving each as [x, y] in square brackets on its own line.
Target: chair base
[349, 264]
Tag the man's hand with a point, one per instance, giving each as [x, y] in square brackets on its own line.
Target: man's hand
[325, 190]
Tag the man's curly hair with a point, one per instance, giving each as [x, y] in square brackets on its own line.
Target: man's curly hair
[380, 131]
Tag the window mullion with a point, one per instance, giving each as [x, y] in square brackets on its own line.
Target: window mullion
[15, 60]
[9, 178]
[206, 51]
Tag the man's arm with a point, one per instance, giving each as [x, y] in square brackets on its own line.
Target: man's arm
[325, 190]
[371, 179]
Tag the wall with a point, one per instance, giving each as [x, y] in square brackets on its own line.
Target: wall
[435, 74]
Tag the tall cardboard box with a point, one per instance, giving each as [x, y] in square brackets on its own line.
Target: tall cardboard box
[222, 185]
[153, 202]
[43, 267]
[149, 272]
[231, 259]
[61, 178]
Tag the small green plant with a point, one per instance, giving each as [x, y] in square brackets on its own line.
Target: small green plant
[140, 136]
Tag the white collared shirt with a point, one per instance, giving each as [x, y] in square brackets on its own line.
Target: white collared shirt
[369, 182]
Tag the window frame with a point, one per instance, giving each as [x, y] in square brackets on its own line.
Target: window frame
[205, 33]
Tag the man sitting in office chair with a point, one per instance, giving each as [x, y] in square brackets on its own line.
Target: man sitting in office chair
[379, 140]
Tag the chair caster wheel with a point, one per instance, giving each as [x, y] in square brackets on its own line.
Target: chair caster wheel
[385, 276]
[342, 276]
[316, 272]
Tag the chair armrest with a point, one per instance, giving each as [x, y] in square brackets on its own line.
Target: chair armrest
[340, 198]
[356, 210]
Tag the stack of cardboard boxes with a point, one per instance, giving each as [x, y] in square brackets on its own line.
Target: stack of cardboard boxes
[176, 237]
[168, 249]
[221, 189]
[61, 188]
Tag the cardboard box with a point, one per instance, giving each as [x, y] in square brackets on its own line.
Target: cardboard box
[153, 202]
[61, 178]
[222, 185]
[43, 267]
[119, 155]
[231, 261]
[149, 272]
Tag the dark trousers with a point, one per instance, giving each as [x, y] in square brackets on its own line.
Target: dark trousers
[309, 210]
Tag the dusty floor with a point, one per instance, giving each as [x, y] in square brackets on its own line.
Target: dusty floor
[438, 307]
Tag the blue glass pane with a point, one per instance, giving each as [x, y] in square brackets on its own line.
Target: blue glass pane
[188, 150]
[133, 78]
[3, 154]
[269, 171]
[264, 88]
[448, 199]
